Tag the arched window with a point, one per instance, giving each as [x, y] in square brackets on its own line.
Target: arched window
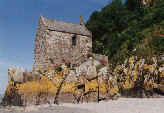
[74, 40]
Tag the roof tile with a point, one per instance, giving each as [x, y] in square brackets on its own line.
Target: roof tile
[65, 27]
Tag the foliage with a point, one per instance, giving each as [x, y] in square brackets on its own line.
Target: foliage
[139, 74]
[121, 29]
[11, 96]
[44, 86]
[134, 74]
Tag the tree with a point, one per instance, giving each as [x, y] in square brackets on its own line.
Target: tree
[119, 28]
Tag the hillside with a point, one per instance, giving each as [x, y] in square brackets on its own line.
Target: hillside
[122, 29]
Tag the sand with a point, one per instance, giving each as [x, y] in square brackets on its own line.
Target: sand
[41, 109]
[125, 105]
[122, 105]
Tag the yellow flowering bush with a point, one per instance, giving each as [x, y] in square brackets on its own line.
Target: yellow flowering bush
[68, 87]
[9, 88]
[139, 74]
[37, 87]
[133, 74]
[91, 86]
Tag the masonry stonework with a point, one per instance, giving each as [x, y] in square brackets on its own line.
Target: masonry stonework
[54, 43]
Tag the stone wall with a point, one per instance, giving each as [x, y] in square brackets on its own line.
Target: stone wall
[40, 47]
[58, 47]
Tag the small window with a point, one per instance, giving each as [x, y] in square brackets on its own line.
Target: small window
[74, 40]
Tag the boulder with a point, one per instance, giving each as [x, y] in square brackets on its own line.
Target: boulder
[19, 75]
[15, 74]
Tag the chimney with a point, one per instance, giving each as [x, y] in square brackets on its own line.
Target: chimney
[81, 20]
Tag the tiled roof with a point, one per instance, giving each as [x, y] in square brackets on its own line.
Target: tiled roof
[60, 26]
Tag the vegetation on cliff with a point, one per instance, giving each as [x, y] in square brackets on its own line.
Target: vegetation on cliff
[136, 77]
[123, 29]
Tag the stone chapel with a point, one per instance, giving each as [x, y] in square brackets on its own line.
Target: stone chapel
[60, 42]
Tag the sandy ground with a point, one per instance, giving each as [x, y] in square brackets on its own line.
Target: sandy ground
[122, 105]
[43, 109]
